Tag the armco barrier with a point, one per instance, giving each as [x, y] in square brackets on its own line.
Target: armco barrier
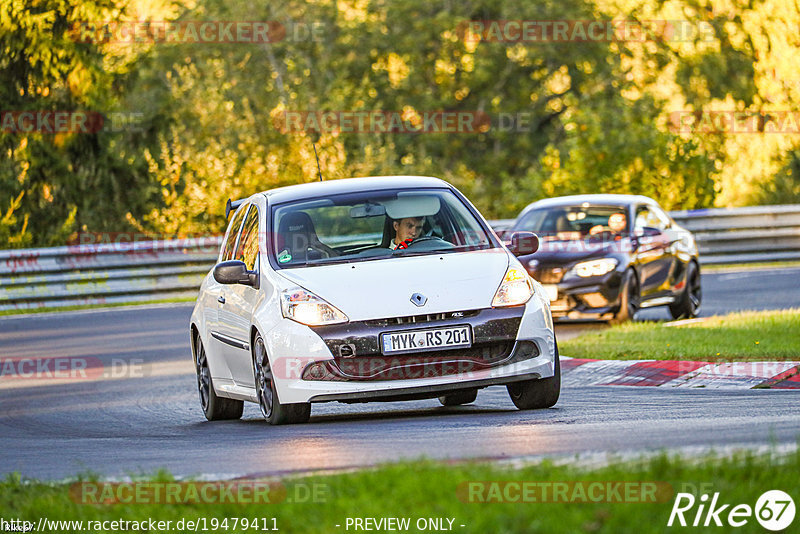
[738, 235]
[104, 273]
[151, 270]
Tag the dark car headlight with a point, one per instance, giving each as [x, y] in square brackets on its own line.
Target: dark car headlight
[599, 267]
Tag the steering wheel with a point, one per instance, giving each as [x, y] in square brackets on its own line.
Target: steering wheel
[601, 233]
[423, 239]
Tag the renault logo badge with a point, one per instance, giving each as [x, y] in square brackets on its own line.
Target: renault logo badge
[419, 299]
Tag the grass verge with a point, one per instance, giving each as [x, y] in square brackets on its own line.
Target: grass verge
[434, 490]
[743, 336]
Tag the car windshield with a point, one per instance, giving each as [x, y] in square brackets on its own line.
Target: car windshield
[370, 225]
[573, 223]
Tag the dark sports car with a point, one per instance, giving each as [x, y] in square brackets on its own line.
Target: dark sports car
[607, 256]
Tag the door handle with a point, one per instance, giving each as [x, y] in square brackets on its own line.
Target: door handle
[221, 299]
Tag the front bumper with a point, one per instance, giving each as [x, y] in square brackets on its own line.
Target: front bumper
[293, 347]
[595, 296]
[421, 392]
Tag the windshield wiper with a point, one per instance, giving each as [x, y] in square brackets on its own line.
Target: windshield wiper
[349, 259]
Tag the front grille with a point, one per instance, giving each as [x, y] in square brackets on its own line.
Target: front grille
[548, 275]
[422, 365]
[426, 318]
[357, 343]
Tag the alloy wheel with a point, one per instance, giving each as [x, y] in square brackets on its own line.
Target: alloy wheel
[633, 296]
[264, 382]
[203, 375]
[695, 291]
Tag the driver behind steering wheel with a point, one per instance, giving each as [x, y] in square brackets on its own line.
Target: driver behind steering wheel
[406, 230]
[616, 225]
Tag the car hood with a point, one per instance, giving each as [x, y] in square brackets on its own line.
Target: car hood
[568, 252]
[383, 288]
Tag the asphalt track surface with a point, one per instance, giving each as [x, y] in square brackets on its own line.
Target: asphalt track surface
[149, 418]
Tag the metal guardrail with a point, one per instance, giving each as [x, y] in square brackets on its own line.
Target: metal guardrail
[742, 235]
[152, 270]
[104, 273]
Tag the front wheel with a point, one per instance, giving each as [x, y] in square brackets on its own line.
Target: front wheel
[688, 303]
[215, 408]
[629, 298]
[274, 412]
[539, 393]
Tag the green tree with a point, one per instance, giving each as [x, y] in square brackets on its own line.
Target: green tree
[52, 184]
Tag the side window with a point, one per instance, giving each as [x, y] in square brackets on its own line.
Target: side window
[465, 237]
[468, 233]
[247, 250]
[233, 231]
[540, 221]
[663, 217]
[646, 217]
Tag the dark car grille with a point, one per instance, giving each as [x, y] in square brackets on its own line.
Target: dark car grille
[548, 275]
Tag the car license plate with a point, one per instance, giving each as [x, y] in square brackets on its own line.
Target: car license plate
[551, 291]
[422, 340]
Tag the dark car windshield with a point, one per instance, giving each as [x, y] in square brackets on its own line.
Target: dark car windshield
[572, 223]
[362, 226]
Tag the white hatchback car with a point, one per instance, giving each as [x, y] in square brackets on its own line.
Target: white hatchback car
[313, 301]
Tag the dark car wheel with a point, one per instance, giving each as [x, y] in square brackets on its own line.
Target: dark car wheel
[688, 304]
[215, 408]
[629, 299]
[539, 393]
[274, 412]
[460, 397]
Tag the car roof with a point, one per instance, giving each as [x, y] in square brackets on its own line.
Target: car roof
[597, 199]
[349, 185]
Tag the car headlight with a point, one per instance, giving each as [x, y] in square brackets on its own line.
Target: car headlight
[516, 289]
[306, 308]
[595, 267]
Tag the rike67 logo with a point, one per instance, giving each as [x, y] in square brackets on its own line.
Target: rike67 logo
[774, 510]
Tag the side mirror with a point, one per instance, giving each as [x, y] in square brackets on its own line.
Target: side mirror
[235, 272]
[523, 243]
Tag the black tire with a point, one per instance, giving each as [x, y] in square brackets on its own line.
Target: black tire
[629, 299]
[688, 304]
[274, 412]
[215, 408]
[459, 397]
[539, 393]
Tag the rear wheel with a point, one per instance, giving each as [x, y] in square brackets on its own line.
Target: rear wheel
[539, 393]
[459, 397]
[274, 412]
[629, 299]
[688, 303]
[215, 408]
